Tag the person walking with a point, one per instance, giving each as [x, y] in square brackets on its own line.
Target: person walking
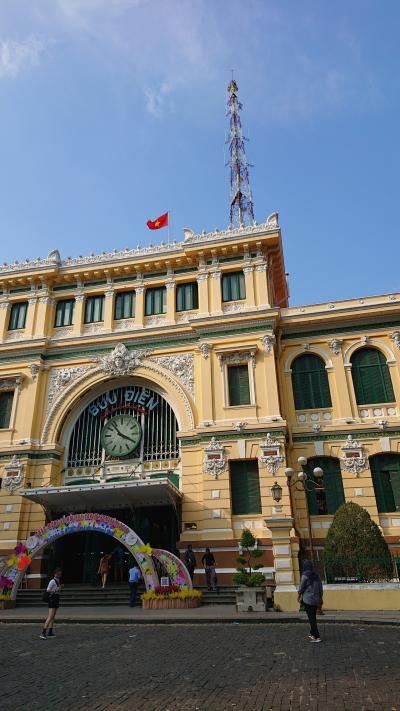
[104, 568]
[310, 594]
[134, 577]
[208, 561]
[53, 599]
[190, 560]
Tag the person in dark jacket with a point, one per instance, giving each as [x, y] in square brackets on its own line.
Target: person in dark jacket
[208, 561]
[310, 594]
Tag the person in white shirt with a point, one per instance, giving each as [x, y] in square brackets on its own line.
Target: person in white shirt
[134, 577]
[53, 599]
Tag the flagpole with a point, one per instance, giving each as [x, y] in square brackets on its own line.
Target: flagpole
[169, 215]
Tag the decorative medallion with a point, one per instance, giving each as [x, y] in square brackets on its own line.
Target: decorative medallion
[354, 460]
[214, 458]
[14, 474]
[121, 361]
[271, 454]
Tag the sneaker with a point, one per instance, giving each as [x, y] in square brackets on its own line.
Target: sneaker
[316, 639]
[310, 636]
[51, 634]
[43, 636]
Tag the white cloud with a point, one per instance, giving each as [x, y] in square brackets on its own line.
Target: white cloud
[16, 56]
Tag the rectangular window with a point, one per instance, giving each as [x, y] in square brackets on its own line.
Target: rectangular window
[187, 297]
[94, 308]
[18, 315]
[156, 302]
[64, 313]
[238, 384]
[245, 487]
[124, 305]
[233, 286]
[6, 402]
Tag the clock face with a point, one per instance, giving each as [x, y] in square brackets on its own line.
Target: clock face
[121, 435]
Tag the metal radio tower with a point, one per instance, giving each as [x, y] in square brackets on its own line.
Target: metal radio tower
[241, 199]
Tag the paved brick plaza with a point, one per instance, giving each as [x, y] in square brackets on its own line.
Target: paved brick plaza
[200, 667]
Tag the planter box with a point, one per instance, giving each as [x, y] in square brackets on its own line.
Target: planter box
[173, 604]
[250, 599]
[7, 604]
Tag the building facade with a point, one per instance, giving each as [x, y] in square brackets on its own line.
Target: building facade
[171, 386]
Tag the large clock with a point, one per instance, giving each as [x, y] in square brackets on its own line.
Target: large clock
[121, 435]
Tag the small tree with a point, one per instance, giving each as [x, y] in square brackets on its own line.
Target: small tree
[245, 574]
[355, 547]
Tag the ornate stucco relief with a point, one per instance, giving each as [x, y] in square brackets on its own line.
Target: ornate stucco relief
[182, 366]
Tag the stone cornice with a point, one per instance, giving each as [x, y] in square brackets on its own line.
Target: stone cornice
[55, 263]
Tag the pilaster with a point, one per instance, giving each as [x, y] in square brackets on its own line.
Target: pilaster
[261, 284]
[4, 316]
[139, 306]
[249, 283]
[285, 553]
[44, 316]
[205, 381]
[170, 300]
[79, 314]
[109, 309]
[216, 299]
[202, 281]
[30, 317]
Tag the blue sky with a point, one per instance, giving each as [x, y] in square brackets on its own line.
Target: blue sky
[113, 111]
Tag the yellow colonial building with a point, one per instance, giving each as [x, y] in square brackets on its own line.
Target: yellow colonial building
[171, 386]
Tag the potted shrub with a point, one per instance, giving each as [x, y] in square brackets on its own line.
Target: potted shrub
[250, 593]
[355, 550]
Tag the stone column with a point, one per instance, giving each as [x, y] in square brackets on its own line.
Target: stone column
[216, 297]
[109, 309]
[249, 283]
[202, 281]
[4, 316]
[79, 314]
[285, 556]
[171, 316]
[139, 306]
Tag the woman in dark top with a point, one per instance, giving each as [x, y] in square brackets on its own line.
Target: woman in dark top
[310, 594]
[208, 561]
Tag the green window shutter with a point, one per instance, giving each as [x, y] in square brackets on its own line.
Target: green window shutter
[371, 377]
[6, 401]
[238, 385]
[332, 495]
[155, 301]
[18, 316]
[187, 297]
[310, 383]
[124, 305]
[64, 313]
[385, 469]
[233, 286]
[94, 309]
[245, 488]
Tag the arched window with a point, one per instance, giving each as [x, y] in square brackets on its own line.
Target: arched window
[310, 382]
[371, 377]
[326, 493]
[385, 470]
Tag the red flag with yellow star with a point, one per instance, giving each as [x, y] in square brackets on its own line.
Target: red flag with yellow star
[161, 221]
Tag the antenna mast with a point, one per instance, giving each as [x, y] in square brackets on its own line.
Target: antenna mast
[241, 198]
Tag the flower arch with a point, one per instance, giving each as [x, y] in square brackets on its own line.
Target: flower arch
[15, 567]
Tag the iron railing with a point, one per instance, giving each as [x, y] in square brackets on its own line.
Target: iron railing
[359, 570]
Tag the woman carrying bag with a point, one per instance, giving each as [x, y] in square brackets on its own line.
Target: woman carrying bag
[310, 595]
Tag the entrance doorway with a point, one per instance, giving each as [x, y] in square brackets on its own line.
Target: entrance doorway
[78, 554]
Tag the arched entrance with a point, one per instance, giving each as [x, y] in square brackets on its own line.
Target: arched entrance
[17, 564]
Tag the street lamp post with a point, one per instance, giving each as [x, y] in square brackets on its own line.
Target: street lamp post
[299, 481]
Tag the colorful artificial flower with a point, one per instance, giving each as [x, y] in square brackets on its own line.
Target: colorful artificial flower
[5, 583]
[117, 532]
[24, 561]
[20, 548]
[11, 561]
[146, 548]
